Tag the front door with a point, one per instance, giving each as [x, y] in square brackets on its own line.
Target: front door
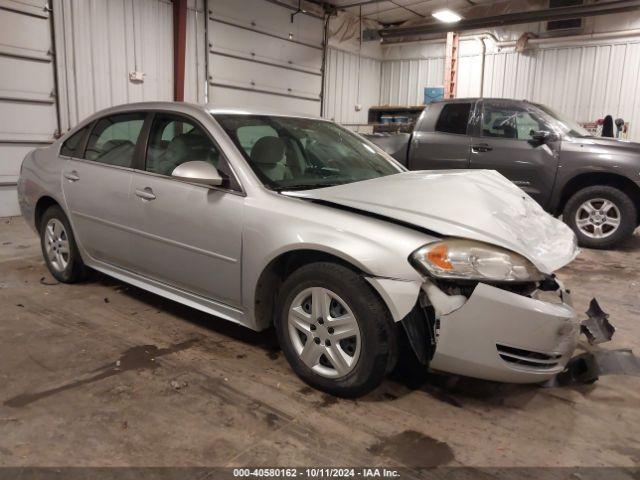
[185, 235]
[96, 184]
[504, 142]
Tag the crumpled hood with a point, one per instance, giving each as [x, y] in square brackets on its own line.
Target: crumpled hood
[475, 204]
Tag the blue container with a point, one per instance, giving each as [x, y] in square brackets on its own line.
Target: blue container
[433, 94]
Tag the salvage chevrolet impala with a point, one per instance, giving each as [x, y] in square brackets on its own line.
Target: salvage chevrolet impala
[298, 223]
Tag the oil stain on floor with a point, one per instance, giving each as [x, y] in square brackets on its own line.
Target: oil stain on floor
[414, 449]
[142, 357]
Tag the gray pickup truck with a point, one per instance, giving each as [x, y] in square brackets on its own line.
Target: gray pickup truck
[593, 182]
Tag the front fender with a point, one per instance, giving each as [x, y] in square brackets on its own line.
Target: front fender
[275, 225]
[399, 295]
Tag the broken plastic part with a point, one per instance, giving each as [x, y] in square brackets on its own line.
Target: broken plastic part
[443, 304]
[597, 327]
[588, 367]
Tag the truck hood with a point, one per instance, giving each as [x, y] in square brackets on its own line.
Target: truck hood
[475, 204]
[612, 144]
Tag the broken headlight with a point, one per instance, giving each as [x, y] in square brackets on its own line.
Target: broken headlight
[460, 259]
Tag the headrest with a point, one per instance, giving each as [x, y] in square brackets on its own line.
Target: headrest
[268, 151]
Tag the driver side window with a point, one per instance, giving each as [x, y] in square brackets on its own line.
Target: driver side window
[509, 122]
[174, 140]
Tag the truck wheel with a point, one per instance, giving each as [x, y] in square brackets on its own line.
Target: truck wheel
[600, 216]
[59, 247]
[334, 331]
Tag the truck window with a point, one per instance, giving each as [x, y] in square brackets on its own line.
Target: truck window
[509, 122]
[454, 118]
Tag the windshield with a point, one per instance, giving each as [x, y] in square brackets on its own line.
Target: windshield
[567, 126]
[289, 153]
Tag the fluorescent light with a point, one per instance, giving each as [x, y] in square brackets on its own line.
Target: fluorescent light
[446, 16]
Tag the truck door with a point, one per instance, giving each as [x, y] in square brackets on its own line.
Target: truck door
[440, 139]
[503, 141]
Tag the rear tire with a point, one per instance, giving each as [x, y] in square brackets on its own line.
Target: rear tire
[601, 216]
[59, 247]
[314, 339]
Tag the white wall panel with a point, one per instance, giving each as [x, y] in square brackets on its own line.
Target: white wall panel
[350, 80]
[100, 42]
[403, 81]
[257, 50]
[28, 117]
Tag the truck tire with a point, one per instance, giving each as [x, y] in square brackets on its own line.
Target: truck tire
[601, 216]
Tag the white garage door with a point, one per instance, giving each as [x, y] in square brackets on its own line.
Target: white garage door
[259, 59]
[28, 117]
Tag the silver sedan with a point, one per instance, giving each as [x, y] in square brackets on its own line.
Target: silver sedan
[296, 222]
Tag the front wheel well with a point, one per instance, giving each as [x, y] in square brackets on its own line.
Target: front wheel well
[592, 179]
[43, 204]
[278, 270]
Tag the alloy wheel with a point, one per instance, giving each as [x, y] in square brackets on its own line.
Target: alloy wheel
[324, 332]
[598, 218]
[57, 245]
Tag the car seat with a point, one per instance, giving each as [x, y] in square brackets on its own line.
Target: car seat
[267, 155]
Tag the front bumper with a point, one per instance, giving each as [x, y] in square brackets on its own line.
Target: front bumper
[503, 336]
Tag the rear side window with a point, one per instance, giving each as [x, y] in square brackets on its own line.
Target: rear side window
[113, 139]
[454, 118]
[72, 145]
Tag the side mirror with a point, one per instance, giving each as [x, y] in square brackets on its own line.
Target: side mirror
[199, 172]
[543, 136]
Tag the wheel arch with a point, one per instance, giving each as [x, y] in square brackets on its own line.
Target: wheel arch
[42, 205]
[591, 179]
[278, 269]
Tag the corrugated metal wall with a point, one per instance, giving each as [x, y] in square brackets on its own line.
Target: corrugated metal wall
[27, 90]
[260, 58]
[100, 42]
[350, 80]
[403, 81]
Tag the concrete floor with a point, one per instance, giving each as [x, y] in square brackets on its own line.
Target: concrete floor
[103, 374]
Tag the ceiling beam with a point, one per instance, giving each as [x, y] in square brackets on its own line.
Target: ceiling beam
[360, 4]
[562, 13]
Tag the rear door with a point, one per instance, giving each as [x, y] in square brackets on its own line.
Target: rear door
[186, 235]
[503, 142]
[96, 185]
[441, 140]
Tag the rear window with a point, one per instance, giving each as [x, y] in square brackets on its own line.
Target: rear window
[454, 118]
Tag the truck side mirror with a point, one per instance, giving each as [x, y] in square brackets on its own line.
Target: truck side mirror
[543, 136]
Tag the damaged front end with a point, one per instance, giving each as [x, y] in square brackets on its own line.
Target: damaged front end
[516, 333]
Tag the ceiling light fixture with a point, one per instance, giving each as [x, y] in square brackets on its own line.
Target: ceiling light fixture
[447, 16]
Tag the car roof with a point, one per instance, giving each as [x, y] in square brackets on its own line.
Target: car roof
[186, 107]
[475, 99]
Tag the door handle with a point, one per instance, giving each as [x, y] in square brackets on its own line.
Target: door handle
[72, 176]
[481, 147]
[146, 194]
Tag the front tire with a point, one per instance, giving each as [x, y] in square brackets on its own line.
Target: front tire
[59, 247]
[601, 216]
[335, 332]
